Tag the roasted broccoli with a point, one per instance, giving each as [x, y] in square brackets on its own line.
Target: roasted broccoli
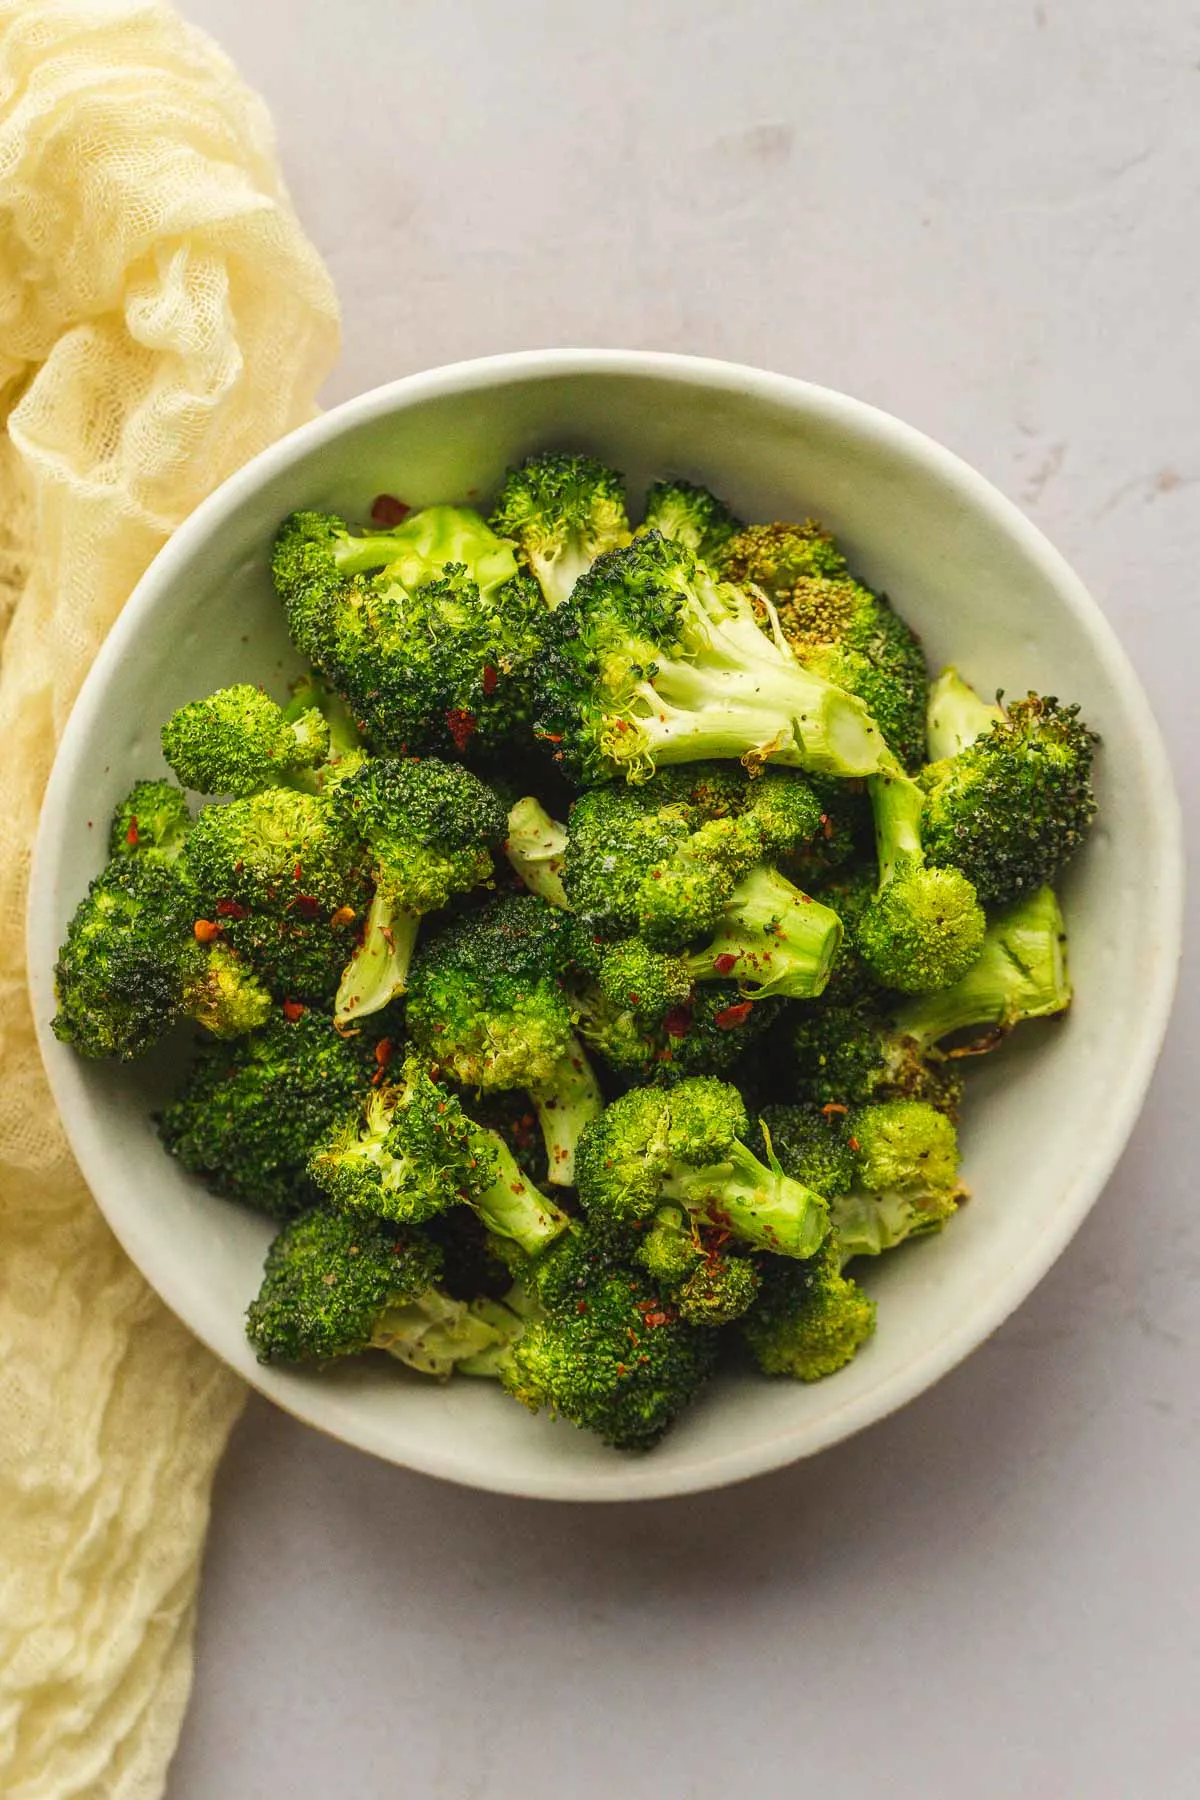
[239, 740]
[684, 1144]
[430, 828]
[691, 516]
[152, 822]
[836, 627]
[562, 512]
[415, 1153]
[709, 1283]
[925, 926]
[487, 1004]
[708, 1033]
[1013, 800]
[429, 631]
[810, 1319]
[536, 847]
[251, 1113]
[653, 661]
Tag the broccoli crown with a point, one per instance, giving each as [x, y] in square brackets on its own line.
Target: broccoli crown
[810, 1320]
[132, 965]
[904, 1146]
[719, 1289]
[1014, 805]
[637, 979]
[411, 1154]
[431, 827]
[814, 1145]
[285, 884]
[691, 516]
[430, 656]
[847, 1055]
[924, 930]
[662, 860]
[836, 626]
[152, 822]
[843, 832]
[706, 1034]
[655, 661]
[484, 997]
[562, 512]
[250, 1113]
[607, 1351]
[329, 1279]
[683, 1144]
[239, 740]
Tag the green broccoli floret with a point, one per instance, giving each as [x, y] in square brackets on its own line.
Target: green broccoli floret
[925, 926]
[486, 1003]
[695, 1269]
[845, 1055]
[429, 631]
[1014, 803]
[239, 740]
[810, 1319]
[430, 828]
[653, 661]
[132, 966]
[707, 1034]
[285, 884]
[604, 1349]
[152, 822]
[335, 1285]
[536, 847]
[889, 1171]
[845, 832]
[250, 1113]
[684, 1144]
[836, 627]
[415, 1153]
[691, 516]
[562, 512]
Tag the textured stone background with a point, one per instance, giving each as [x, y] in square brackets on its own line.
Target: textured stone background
[983, 218]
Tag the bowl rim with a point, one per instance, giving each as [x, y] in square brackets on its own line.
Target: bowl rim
[643, 1478]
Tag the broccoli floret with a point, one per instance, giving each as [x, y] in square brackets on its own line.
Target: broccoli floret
[836, 627]
[654, 661]
[695, 1269]
[239, 740]
[428, 631]
[132, 965]
[285, 884]
[415, 1154]
[810, 1319]
[691, 516]
[152, 822]
[684, 1144]
[562, 512]
[925, 926]
[604, 1348]
[250, 1113]
[845, 1055]
[845, 832]
[1021, 973]
[335, 1285]
[707, 1034]
[813, 1144]
[1015, 802]
[536, 847]
[486, 1002]
[430, 828]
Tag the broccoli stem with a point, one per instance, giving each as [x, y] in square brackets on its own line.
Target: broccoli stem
[512, 1207]
[771, 938]
[1021, 973]
[378, 970]
[897, 804]
[436, 1334]
[761, 1206]
[568, 1101]
[535, 846]
[508, 1318]
[956, 716]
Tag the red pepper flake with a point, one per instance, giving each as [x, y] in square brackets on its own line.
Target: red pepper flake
[490, 679]
[131, 836]
[826, 826]
[345, 915]
[293, 1010]
[205, 930]
[654, 1319]
[461, 726]
[549, 737]
[834, 1106]
[678, 1022]
[307, 906]
[726, 963]
[854, 1143]
[229, 909]
[383, 1052]
[295, 872]
[733, 1016]
[581, 1306]
[387, 510]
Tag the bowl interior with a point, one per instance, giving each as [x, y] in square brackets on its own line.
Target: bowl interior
[1045, 1119]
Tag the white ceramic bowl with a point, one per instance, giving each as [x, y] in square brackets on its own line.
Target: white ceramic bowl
[1047, 1118]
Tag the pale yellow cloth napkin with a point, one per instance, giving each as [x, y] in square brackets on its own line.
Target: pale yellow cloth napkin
[162, 317]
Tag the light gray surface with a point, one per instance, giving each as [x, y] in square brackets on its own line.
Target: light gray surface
[984, 219]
